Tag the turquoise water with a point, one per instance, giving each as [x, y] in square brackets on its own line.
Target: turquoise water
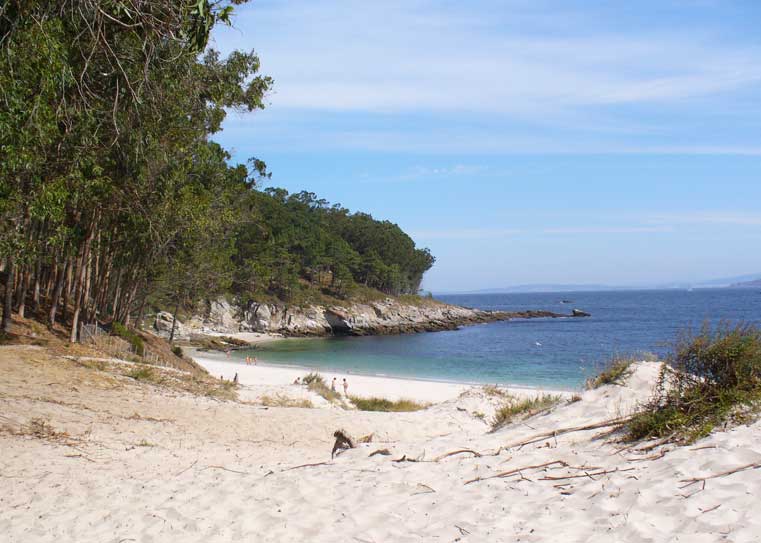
[546, 353]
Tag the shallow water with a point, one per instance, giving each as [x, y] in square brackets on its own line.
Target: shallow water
[559, 353]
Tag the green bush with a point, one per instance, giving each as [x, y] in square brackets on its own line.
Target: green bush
[316, 383]
[383, 404]
[177, 350]
[712, 378]
[135, 340]
[523, 407]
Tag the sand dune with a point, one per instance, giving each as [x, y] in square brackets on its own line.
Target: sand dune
[148, 464]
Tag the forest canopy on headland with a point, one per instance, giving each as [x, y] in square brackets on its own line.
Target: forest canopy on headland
[113, 195]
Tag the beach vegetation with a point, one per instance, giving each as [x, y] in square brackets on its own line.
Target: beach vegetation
[712, 378]
[131, 336]
[523, 407]
[614, 372]
[384, 404]
[116, 201]
[316, 383]
[143, 374]
[281, 400]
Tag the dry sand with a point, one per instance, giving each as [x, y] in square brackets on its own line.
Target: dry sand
[145, 463]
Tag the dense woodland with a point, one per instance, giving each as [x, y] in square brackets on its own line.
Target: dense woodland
[113, 195]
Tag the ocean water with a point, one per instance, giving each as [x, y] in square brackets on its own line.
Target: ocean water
[547, 353]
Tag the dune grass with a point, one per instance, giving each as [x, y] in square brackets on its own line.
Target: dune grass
[712, 378]
[316, 383]
[281, 400]
[384, 404]
[616, 370]
[517, 407]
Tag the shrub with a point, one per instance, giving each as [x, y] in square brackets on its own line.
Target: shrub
[280, 400]
[316, 383]
[177, 351]
[142, 374]
[523, 407]
[135, 340]
[313, 377]
[383, 404]
[712, 377]
[614, 372]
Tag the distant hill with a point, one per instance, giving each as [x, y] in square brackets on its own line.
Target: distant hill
[756, 283]
[547, 287]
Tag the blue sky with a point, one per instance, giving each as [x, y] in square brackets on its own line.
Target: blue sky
[522, 141]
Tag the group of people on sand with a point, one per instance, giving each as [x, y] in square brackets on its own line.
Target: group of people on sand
[297, 381]
[250, 360]
[345, 385]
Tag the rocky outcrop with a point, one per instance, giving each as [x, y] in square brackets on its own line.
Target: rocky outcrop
[389, 316]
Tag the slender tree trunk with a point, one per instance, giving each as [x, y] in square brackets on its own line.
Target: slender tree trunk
[117, 294]
[174, 320]
[63, 271]
[130, 301]
[36, 287]
[67, 290]
[26, 278]
[79, 287]
[5, 324]
[141, 313]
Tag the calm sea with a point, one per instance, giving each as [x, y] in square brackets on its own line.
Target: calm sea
[547, 353]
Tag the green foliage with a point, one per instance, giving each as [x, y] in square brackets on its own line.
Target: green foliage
[135, 340]
[712, 378]
[143, 374]
[289, 244]
[515, 407]
[316, 383]
[280, 400]
[313, 377]
[383, 404]
[614, 372]
[177, 351]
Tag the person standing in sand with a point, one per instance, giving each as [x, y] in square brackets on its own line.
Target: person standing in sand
[333, 384]
[346, 388]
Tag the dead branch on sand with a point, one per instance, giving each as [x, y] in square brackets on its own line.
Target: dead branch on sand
[692, 481]
[561, 431]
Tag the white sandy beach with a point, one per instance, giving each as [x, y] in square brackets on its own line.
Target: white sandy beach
[263, 378]
[147, 464]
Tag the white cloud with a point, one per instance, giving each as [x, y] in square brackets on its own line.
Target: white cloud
[413, 56]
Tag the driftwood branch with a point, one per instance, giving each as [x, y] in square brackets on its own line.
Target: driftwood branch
[517, 471]
[692, 481]
[561, 431]
[307, 465]
[585, 474]
[460, 451]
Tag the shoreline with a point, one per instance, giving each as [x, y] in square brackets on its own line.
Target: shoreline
[360, 384]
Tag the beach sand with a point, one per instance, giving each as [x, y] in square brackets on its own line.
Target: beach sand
[146, 463]
[262, 379]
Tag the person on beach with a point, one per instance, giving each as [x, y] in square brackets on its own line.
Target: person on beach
[297, 381]
[346, 388]
[333, 384]
[227, 352]
[253, 359]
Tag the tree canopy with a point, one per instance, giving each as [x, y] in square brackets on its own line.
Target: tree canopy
[112, 191]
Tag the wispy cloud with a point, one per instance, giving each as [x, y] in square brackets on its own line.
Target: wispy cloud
[736, 218]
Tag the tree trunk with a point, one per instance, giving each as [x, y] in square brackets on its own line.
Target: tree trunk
[141, 313]
[5, 324]
[79, 286]
[67, 290]
[36, 288]
[174, 321]
[26, 278]
[62, 272]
